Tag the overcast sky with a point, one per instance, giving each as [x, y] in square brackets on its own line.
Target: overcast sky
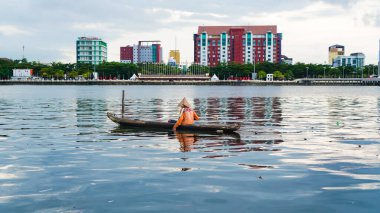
[49, 28]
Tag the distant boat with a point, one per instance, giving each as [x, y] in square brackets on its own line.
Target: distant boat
[135, 123]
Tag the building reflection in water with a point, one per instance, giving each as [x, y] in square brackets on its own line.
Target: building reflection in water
[258, 110]
[254, 111]
[87, 112]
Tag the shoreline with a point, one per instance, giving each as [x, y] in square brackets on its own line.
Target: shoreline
[298, 82]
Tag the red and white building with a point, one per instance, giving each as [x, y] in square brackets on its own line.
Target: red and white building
[239, 44]
[126, 54]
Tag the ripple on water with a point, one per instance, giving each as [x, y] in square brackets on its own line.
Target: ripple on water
[304, 144]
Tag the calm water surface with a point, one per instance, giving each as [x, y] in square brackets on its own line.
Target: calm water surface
[300, 149]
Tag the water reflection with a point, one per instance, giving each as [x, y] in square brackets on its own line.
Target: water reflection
[258, 111]
[186, 140]
[313, 148]
[203, 142]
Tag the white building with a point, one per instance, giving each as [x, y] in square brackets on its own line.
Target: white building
[354, 60]
[91, 50]
[22, 74]
[286, 60]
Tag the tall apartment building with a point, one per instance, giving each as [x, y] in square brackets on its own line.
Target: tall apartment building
[335, 51]
[91, 50]
[175, 54]
[144, 52]
[126, 54]
[239, 44]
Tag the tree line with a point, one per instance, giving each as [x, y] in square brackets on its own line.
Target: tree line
[289, 72]
[116, 70]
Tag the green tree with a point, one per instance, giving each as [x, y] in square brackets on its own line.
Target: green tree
[60, 74]
[278, 75]
[47, 72]
[289, 75]
[262, 74]
[197, 69]
[73, 74]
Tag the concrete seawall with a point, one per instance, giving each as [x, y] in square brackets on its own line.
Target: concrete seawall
[127, 82]
[299, 82]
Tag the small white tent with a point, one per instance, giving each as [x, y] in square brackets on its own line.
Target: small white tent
[134, 77]
[214, 78]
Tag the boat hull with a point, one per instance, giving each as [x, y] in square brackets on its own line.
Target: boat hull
[168, 126]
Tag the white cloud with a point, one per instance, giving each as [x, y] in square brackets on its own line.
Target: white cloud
[176, 16]
[11, 30]
[308, 27]
[308, 32]
[90, 26]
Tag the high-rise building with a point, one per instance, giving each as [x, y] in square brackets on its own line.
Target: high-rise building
[126, 54]
[239, 44]
[335, 51]
[91, 50]
[144, 52]
[175, 54]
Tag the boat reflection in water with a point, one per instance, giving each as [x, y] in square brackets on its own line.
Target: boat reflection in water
[261, 130]
[210, 145]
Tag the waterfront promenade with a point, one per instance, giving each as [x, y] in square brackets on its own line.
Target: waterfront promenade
[303, 81]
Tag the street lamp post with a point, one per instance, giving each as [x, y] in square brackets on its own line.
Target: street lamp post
[307, 72]
[343, 71]
[254, 66]
[324, 72]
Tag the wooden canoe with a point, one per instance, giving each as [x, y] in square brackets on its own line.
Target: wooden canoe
[135, 123]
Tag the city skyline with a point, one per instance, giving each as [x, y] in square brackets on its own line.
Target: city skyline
[48, 29]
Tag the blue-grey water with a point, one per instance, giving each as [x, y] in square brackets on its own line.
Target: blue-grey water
[300, 149]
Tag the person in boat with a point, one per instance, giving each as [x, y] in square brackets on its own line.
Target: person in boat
[187, 115]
